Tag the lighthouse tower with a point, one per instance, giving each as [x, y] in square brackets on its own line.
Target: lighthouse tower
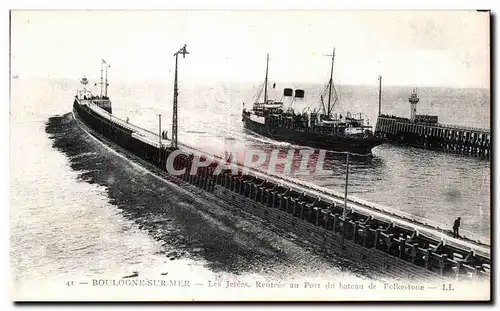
[84, 81]
[413, 102]
[83, 91]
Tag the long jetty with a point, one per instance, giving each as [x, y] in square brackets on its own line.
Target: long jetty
[451, 138]
[424, 131]
[388, 240]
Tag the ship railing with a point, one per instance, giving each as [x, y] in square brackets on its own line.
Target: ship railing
[365, 207]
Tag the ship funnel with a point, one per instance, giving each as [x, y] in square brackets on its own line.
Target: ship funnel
[299, 93]
[288, 92]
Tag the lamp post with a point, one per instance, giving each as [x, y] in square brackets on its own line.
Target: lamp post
[344, 211]
[159, 140]
[159, 128]
[346, 184]
[176, 93]
[379, 94]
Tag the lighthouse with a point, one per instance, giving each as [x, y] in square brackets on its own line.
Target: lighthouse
[413, 103]
[84, 81]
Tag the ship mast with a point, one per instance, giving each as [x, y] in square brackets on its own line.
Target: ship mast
[379, 94]
[106, 84]
[102, 69]
[176, 93]
[330, 85]
[265, 81]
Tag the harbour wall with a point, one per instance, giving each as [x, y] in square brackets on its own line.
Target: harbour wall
[454, 139]
[392, 250]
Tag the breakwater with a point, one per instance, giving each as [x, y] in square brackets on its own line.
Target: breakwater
[386, 242]
[434, 136]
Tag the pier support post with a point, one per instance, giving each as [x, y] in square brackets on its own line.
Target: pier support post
[413, 253]
[236, 183]
[288, 201]
[205, 179]
[246, 188]
[201, 178]
[218, 179]
[459, 268]
[442, 263]
[261, 195]
[212, 181]
[240, 186]
[326, 217]
[428, 258]
[377, 238]
[301, 204]
[355, 231]
[273, 198]
[250, 190]
[402, 248]
[344, 231]
[198, 179]
[366, 231]
[335, 222]
[390, 241]
[255, 191]
[280, 200]
[310, 211]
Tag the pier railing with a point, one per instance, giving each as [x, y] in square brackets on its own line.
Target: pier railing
[467, 128]
[120, 121]
[450, 126]
[464, 140]
[418, 224]
[321, 217]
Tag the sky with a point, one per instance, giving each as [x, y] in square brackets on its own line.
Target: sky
[410, 48]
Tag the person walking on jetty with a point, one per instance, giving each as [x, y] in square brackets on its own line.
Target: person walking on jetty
[456, 225]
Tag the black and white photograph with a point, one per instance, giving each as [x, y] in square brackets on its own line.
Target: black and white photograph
[250, 155]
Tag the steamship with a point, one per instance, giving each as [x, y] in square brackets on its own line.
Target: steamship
[316, 128]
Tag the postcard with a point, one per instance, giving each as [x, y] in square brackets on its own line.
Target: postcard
[250, 155]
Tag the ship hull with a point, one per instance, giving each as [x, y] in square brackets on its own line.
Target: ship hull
[340, 143]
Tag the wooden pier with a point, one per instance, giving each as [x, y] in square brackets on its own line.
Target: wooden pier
[370, 234]
[454, 139]
[424, 131]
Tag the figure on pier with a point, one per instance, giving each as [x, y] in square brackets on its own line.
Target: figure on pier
[456, 225]
[413, 102]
